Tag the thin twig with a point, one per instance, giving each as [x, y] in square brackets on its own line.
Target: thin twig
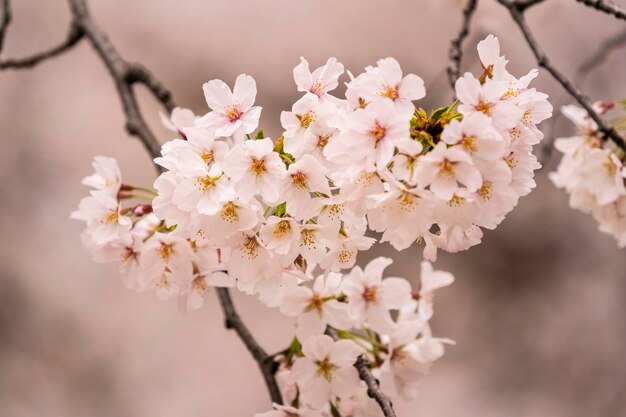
[455, 53]
[74, 35]
[600, 55]
[525, 4]
[606, 7]
[124, 76]
[373, 387]
[265, 362]
[5, 19]
[544, 62]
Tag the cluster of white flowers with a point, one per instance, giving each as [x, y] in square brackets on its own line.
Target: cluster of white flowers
[235, 209]
[592, 171]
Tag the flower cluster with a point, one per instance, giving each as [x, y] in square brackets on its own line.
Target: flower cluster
[233, 208]
[592, 171]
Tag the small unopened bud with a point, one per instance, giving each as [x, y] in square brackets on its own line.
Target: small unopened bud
[602, 107]
[142, 210]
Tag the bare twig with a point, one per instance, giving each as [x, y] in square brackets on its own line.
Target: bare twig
[373, 388]
[455, 53]
[5, 19]
[265, 362]
[74, 35]
[124, 75]
[606, 7]
[544, 62]
[600, 55]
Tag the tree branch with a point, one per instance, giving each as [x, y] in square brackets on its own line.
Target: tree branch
[373, 388]
[544, 62]
[606, 7]
[74, 35]
[455, 53]
[266, 363]
[5, 19]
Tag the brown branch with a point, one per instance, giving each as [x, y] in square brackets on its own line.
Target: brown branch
[455, 53]
[266, 363]
[124, 75]
[74, 35]
[606, 7]
[373, 386]
[525, 4]
[5, 19]
[544, 62]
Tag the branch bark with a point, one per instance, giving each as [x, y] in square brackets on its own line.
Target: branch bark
[5, 19]
[373, 387]
[455, 53]
[265, 362]
[544, 62]
[606, 7]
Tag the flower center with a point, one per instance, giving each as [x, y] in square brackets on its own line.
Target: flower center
[204, 183]
[281, 229]
[370, 294]
[111, 217]
[207, 157]
[316, 302]
[233, 114]
[306, 119]
[377, 133]
[165, 251]
[258, 166]
[484, 107]
[446, 169]
[469, 143]
[299, 180]
[322, 141]
[325, 368]
[229, 213]
[317, 89]
[389, 92]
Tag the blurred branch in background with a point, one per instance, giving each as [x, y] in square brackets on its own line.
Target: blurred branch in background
[516, 9]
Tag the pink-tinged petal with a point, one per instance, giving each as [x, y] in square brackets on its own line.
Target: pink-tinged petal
[303, 370]
[468, 89]
[344, 353]
[295, 301]
[317, 348]
[469, 176]
[376, 267]
[217, 95]
[345, 382]
[444, 187]
[244, 92]
[310, 324]
[316, 392]
[396, 292]
[390, 71]
[432, 280]
[302, 75]
[379, 319]
[250, 119]
[412, 87]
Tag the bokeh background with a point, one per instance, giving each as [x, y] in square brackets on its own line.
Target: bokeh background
[537, 311]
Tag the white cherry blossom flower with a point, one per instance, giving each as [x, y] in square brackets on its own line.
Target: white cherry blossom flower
[326, 370]
[233, 111]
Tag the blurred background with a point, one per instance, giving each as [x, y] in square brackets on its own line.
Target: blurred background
[537, 311]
